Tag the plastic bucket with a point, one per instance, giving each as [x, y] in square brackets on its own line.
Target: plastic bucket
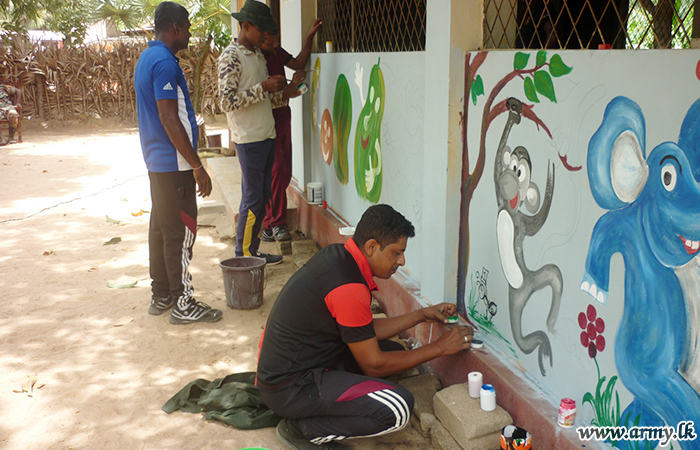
[244, 281]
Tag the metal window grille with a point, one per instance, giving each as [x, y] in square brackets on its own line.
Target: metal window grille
[580, 24]
[372, 25]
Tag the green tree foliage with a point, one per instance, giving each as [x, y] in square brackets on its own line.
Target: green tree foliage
[211, 19]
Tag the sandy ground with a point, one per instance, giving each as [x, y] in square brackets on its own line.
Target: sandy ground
[103, 366]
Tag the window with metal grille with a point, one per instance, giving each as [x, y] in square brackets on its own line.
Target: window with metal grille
[372, 25]
[578, 24]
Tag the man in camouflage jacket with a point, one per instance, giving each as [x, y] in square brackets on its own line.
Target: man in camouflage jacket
[247, 93]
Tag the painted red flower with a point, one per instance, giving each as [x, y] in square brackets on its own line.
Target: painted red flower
[592, 334]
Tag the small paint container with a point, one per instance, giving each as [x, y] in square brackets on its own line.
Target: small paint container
[329, 46]
[487, 397]
[314, 193]
[346, 231]
[474, 381]
[302, 88]
[453, 319]
[567, 413]
[476, 343]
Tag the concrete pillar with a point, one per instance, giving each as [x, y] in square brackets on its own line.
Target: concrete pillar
[296, 18]
[453, 27]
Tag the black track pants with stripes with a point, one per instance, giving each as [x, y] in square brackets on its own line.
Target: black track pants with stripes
[171, 234]
[337, 405]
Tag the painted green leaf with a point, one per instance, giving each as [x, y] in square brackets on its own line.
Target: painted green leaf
[342, 116]
[541, 58]
[544, 85]
[557, 67]
[368, 148]
[478, 85]
[520, 60]
[477, 88]
[530, 90]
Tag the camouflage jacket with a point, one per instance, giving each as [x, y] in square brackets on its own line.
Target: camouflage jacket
[230, 69]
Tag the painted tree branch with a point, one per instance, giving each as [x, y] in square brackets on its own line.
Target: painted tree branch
[470, 181]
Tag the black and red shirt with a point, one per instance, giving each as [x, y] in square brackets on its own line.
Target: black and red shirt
[324, 306]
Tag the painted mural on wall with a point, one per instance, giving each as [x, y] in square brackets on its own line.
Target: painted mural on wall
[653, 220]
[368, 151]
[624, 234]
[481, 309]
[342, 120]
[333, 130]
[514, 189]
[315, 80]
[606, 408]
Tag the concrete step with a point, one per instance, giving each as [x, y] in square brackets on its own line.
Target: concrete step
[225, 173]
[303, 250]
[423, 387]
[472, 427]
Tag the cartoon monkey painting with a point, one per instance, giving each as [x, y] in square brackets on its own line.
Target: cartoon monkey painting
[514, 188]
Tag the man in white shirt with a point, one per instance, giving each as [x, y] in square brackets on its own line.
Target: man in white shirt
[247, 93]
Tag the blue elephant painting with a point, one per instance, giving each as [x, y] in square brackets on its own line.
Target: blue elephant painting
[653, 220]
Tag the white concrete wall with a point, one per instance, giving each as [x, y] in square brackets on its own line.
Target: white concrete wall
[422, 163]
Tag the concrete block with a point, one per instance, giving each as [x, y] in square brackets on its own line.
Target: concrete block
[284, 247]
[442, 439]
[427, 421]
[224, 228]
[302, 251]
[472, 427]
[211, 208]
[423, 387]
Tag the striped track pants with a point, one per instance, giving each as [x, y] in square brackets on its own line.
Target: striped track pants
[336, 405]
[171, 234]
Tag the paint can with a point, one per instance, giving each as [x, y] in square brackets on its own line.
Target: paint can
[487, 396]
[329, 46]
[475, 380]
[314, 193]
[567, 413]
[302, 88]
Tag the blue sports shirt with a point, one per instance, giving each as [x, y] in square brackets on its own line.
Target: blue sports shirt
[158, 76]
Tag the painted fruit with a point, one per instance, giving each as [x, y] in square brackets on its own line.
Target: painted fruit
[327, 137]
[368, 149]
[342, 117]
[315, 78]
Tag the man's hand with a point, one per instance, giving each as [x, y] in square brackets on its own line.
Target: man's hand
[203, 182]
[299, 76]
[274, 84]
[291, 91]
[455, 340]
[318, 23]
[439, 313]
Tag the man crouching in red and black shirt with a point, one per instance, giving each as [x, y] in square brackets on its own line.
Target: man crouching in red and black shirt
[323, 355]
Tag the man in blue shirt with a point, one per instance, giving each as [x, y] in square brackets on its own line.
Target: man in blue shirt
[168, 133]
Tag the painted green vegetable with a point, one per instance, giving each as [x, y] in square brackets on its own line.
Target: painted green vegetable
[342, 120]
[368, 151]
[315, 78]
